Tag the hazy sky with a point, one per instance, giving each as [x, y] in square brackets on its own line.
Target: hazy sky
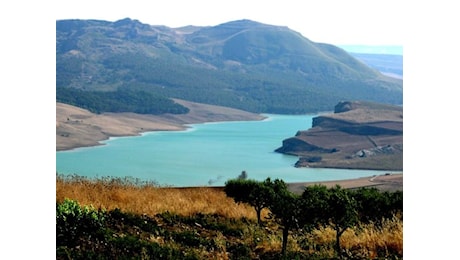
[337, 22]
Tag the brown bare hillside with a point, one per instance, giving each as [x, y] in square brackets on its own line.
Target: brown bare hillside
[76, 127]
[359, 135]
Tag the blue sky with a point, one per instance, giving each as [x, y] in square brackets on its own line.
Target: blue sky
[337, 22]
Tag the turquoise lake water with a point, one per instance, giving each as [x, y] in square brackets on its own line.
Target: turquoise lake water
[204, 155]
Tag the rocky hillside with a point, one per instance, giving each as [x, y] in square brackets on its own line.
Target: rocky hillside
[240, 64]
[359, 135]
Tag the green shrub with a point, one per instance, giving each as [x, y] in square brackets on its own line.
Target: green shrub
[74, 222]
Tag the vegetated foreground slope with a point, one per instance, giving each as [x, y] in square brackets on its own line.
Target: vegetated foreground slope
[241, 64]
[359, 135]
[119, 218]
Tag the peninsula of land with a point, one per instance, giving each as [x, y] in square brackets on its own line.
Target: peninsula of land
[358, 135]
[77, 127]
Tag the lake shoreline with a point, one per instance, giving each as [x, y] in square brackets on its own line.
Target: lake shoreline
[77, 127]
[102, 127]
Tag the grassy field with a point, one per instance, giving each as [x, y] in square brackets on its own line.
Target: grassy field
[149, 199]
[185, 211]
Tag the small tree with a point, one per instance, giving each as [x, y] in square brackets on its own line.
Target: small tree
[342, 212]
[314, 206]
[285, 209]
[254, 193]
[374, 205]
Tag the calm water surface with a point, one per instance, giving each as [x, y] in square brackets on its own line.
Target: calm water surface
[205, 155]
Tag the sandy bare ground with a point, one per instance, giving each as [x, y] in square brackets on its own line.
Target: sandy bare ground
[385, 182]
[76, 127]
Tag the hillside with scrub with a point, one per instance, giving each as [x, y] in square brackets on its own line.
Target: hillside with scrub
[128, 66]
[112, 218]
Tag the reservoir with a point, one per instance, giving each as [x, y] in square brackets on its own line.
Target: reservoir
[204, 155]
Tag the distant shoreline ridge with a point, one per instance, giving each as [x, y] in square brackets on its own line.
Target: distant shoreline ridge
[373, 49]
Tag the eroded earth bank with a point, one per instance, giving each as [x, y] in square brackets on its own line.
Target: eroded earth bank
[358, 135]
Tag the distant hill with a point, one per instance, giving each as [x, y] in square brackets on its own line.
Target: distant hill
[388, 64]
[241, 64]
[388, 59]
[374, 49]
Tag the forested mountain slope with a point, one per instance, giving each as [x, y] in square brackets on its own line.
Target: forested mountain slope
[241, 64]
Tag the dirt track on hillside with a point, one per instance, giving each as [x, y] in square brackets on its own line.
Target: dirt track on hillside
[385, 182]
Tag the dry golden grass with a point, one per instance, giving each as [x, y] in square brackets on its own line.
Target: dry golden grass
[149, 199]
[369, 239]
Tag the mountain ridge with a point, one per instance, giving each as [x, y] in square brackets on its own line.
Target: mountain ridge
[241, 64]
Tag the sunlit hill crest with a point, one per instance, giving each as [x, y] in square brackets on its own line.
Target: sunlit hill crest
[242, 64]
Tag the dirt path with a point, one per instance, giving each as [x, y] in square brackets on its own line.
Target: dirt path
[385, 182]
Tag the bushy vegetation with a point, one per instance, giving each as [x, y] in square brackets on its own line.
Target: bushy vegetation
[109, 232]
[335, 207]
[74, 222]
[140, 102]
[86, 233]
